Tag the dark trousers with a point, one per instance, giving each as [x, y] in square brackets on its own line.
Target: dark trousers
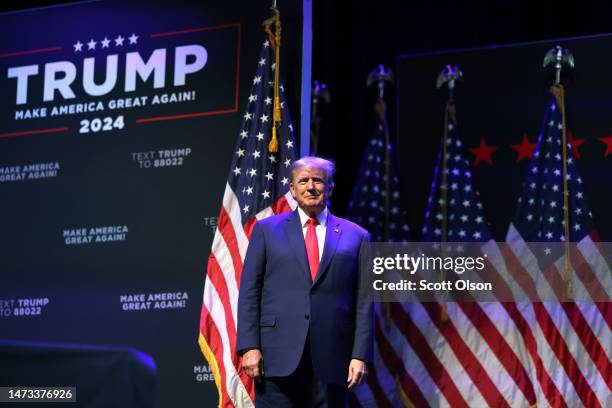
[301, 389]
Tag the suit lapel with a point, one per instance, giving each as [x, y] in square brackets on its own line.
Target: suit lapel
[332, 236]
[295, 238]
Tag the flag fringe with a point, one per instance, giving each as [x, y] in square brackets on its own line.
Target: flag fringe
[212, 361]
[402, 394]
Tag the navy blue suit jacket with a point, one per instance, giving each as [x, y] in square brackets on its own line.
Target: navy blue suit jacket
[278, 302]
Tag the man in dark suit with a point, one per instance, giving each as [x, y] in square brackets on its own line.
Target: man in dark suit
[304, 325]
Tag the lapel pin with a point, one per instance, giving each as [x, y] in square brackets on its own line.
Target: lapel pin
[336, 230]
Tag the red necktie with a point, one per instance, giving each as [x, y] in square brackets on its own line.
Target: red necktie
[312, 247]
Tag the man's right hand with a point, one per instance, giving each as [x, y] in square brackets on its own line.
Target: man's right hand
[252, 363]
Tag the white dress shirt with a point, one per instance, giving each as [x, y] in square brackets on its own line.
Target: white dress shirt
[320, 229]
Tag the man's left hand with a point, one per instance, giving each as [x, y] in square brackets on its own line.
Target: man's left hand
[358, 370]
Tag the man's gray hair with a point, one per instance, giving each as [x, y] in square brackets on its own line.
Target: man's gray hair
[314, 162]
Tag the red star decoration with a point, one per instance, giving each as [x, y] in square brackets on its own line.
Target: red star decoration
[608, 142]
[575, 143]
[483, 152]
[524, 149]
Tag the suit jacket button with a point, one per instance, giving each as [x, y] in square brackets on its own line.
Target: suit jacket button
[306, 317]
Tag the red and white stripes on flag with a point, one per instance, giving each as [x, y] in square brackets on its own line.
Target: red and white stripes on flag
[569, 342]
[218, 318]
[525, 354]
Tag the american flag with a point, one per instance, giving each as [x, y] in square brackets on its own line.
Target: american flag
[569, 343]
[367, 205]
[367, 208]
[474, 358]
[257, 187]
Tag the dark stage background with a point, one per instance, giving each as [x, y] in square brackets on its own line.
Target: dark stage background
[107, 224]
[169, 213]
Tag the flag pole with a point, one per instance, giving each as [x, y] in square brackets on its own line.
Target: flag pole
[275, 39]
[380, 76]
[561, 57]
[449, 76]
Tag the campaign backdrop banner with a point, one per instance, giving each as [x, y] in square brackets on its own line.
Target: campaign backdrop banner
[117, 124]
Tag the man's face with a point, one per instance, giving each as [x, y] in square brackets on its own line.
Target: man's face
[310, 189]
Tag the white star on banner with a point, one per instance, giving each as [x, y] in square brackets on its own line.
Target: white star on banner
[240, 152]
[119, 41]
[78, 46]
[236, 171]
[260, 136]
[269, 176]
[244, 134]
[133, 39]
[284, 181]
[266, 194]
[91, 45]
[105, 42]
